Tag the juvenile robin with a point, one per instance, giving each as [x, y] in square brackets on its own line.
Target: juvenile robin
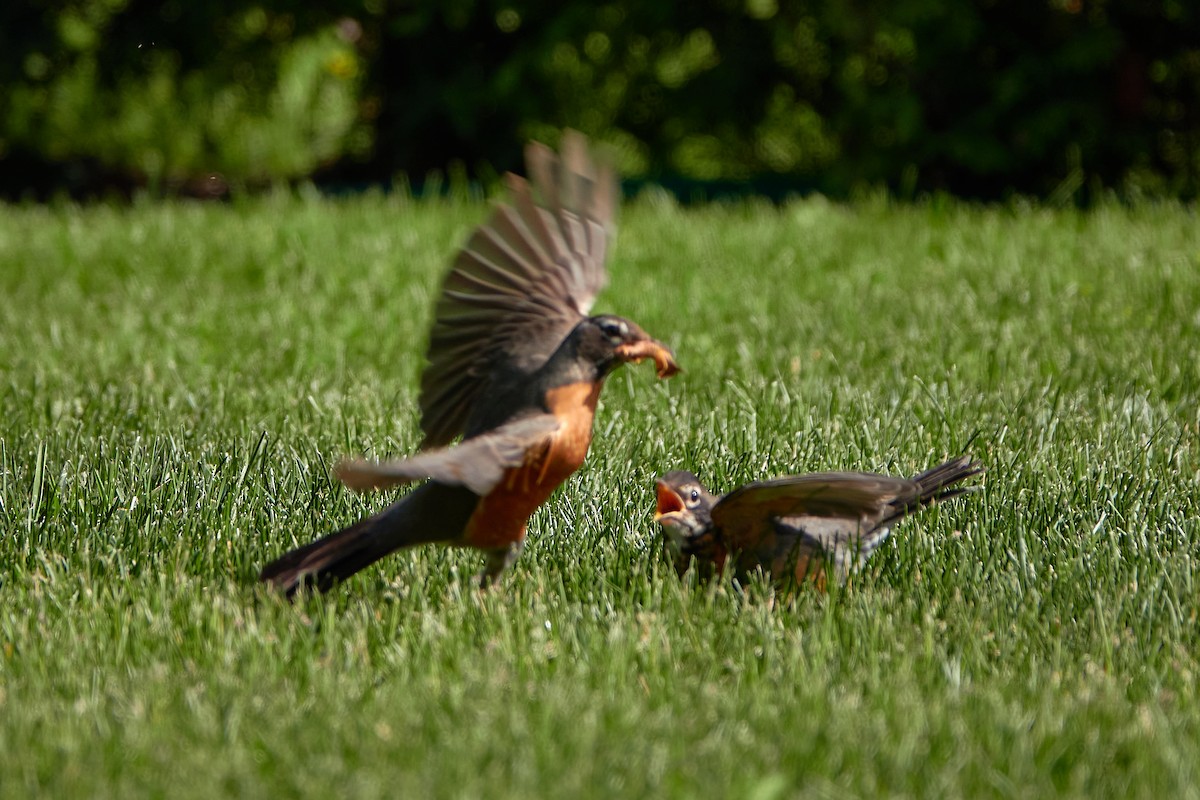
[800, 527]
[515, 367]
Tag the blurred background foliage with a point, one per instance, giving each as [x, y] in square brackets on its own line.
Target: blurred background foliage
[981, 98]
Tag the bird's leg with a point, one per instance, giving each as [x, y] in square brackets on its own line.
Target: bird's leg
[499, 560]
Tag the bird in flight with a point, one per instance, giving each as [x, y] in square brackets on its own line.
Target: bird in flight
[515, 367]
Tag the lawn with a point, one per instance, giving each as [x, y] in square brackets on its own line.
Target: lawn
[177, 379]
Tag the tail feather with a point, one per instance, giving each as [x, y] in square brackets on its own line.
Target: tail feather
[431, 513]
[933, 486]
[940, 483]
[321, 564]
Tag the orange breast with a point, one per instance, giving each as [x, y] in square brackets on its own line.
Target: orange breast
[500, 518]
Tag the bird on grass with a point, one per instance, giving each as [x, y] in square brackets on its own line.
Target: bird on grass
[515, 367]
[800, 527]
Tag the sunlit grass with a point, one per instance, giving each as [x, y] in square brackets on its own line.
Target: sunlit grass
[176, 380]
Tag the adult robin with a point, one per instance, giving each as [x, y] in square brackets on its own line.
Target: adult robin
[800, 526]
[515, 367]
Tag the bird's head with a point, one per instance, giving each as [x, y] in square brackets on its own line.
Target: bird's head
[609, 341]
[684, 510]
[684, 506]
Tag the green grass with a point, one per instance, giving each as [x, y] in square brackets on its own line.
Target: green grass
[176, 380]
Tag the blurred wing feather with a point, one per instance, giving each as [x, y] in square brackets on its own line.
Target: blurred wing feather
[524, 279]
[477, 463]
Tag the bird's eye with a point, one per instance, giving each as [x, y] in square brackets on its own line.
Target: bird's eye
[613, 329]
[695, 495]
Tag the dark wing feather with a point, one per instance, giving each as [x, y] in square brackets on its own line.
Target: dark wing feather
[477, 463]
[844, 515]
[524, 279]
[756, 522]
[849, 495]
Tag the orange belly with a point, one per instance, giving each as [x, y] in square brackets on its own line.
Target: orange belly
[500, 518]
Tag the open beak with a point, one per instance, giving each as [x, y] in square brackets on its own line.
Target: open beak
[664, 360]
[670, 504]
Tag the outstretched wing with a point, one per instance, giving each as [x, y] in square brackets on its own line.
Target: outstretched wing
[524, 279]
[840, 517]
[823, 511]
[852, 495]
[477, 463]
